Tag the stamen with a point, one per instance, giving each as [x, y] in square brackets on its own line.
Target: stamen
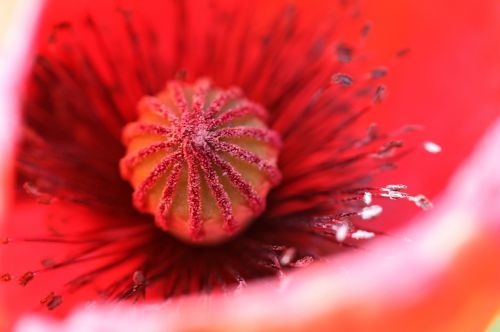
[342, 232]
[367, 198]
[52, 301]
[344, 53]
[287, 256]
[303, 262]
[6, 277]
[432, 147]
[26, 278]
[421, 201]
[362, 235]
[380, 93]
[370, 212]
[342, 79]
[201, 159]
[403, 52]
[39, 196]
[393, 194]
[378, 73]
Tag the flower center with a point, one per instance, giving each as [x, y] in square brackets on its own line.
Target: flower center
[201, 160]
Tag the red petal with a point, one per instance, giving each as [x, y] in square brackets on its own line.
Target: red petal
[445, 278]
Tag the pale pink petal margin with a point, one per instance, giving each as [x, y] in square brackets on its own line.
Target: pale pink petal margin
[442, 273]
[18, 19]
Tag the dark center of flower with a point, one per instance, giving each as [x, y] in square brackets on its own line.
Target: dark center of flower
[201, 160]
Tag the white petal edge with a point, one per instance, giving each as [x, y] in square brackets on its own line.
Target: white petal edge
[18, 19]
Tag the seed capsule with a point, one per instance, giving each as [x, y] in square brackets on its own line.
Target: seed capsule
[201, 160]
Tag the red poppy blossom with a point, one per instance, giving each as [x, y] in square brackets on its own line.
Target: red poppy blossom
[36, 189]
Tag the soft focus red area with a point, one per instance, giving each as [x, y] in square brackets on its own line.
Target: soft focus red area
[15, 299]
[449, 83]
[434, 283]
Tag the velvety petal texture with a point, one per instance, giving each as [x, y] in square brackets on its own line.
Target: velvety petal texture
[445, 277]
[433, 282]
[434, 271]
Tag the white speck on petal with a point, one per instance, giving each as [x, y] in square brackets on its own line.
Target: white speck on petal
[288, 256]
[393, 191]
[367, 198]
[341, 233]
[396, 187]
[393, 194]
[370, 212]
[432, 147]
[421, 201]
[362, 235]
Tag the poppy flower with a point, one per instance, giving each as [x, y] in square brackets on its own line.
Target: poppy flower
[306, 67]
